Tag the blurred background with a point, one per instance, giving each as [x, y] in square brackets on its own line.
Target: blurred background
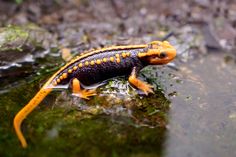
[192, 112]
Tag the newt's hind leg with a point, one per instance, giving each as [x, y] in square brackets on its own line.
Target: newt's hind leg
[145, 87]
[82, 93]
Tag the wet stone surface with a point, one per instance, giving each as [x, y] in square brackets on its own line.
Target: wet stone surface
[202, 113]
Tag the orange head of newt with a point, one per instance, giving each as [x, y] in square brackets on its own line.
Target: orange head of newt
[158, 53]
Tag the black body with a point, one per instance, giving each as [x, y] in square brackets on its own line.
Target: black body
[91, 74]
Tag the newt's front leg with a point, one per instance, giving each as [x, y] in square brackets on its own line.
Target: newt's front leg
[82, 93]
[145, 87]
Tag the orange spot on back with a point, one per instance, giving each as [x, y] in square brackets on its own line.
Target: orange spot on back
[70, 71]
[112, 59]
[104, 59]
[98, 61]
[75, 68]
[117, 55]
[118, 60]
[64, 75]
[123, 54]
[58, 80]
[92, 63]
[80, 65]
[54, 83]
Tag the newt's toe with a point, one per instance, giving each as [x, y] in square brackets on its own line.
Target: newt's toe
[146, 88]
[85, 94]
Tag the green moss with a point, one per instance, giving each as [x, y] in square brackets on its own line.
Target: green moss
[12, 38]
[19, 1]
[16, 32]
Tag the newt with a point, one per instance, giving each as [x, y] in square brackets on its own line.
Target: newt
[97, 66]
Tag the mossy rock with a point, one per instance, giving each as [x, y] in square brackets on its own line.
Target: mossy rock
[17, 41]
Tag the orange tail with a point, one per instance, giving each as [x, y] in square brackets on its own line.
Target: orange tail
[22, 114]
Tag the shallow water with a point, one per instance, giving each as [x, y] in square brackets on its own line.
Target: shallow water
[203, 113]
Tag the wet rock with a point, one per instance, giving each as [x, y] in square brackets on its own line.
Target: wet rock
[16, 42]
[204, 3]
[189, 42]
[211, 40]
[117, 98]
[225, 32]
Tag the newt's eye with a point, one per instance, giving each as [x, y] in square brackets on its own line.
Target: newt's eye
[163, 54]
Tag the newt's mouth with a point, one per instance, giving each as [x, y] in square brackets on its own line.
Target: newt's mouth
[159, 61]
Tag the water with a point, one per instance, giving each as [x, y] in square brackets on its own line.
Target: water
[202, 117]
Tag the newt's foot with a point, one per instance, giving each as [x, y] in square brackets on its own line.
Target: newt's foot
[85, 94]
[146, 88]
[82, 93]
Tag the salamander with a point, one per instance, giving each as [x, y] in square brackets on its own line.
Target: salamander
[99, 65]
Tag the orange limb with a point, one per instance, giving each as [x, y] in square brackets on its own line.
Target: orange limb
[26, 110]
[146, 88]
[77, 91]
